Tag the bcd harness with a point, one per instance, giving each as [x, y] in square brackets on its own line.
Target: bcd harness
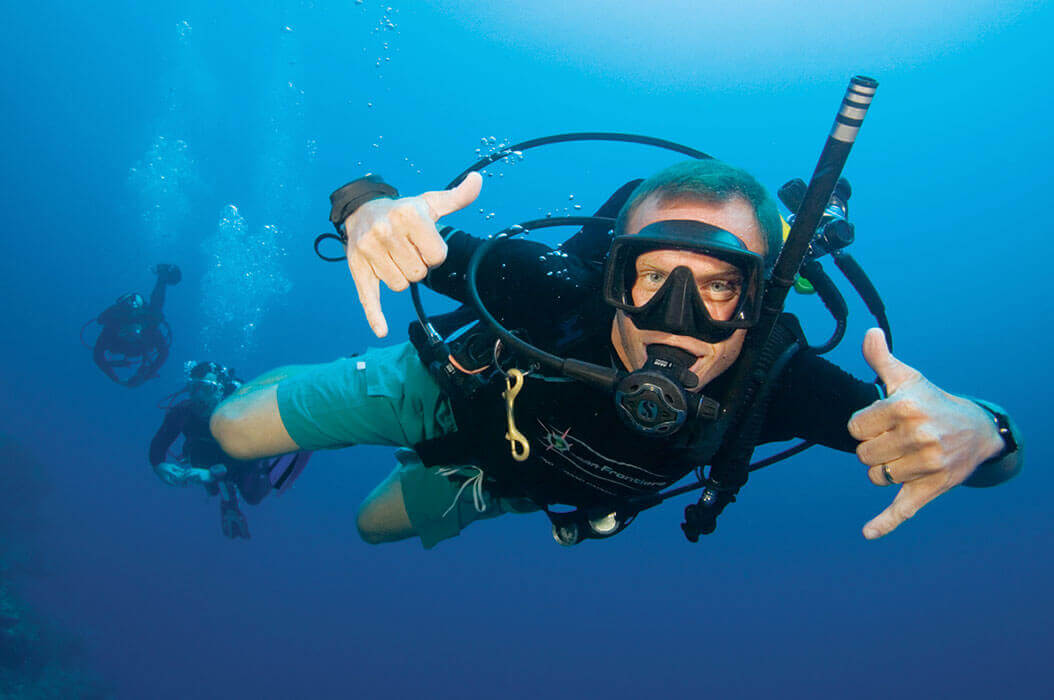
[726, 448]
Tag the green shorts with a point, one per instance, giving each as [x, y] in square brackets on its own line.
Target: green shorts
[443, 501]
[385, 396]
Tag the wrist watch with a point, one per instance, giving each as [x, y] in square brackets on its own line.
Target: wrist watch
[344, 201]
[1002, 425]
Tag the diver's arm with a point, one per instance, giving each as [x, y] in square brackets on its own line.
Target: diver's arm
[813, 400]
[816, 399]
[169, 472]
[157, 296]
[167, 274]
[525, 284]
[170, 429]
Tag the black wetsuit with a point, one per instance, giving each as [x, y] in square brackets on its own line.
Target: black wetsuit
[138, 336]
[201, 450]
[580, 449]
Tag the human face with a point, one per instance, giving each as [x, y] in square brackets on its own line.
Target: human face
[715, 279]
[206, 392]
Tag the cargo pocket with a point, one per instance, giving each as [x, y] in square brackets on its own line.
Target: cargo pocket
[380, 417]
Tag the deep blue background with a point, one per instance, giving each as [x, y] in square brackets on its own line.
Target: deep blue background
[951, 177]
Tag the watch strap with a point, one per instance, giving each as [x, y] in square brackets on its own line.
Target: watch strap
[345, 200]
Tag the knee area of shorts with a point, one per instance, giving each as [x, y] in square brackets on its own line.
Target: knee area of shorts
[379, 521]
[233, 434]
[225, 427]
[370, 525]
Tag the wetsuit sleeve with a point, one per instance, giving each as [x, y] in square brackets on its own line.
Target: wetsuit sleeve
[814, 401]
[157, 296]
[525, 284]
[170, 429]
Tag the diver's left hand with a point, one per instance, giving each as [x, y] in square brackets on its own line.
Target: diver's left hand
[171, 473]
[928, 440]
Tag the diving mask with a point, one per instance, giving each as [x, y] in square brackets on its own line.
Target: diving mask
[678, 305]
[209, 382]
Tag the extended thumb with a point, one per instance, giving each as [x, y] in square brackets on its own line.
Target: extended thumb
[443, 202]
[890, 370]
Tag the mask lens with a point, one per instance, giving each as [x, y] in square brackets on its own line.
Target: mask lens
[206, 390]
[685, 278]
[717, 284]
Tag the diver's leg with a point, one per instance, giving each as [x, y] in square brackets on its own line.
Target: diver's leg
[382, 516]
[232, 520]
[271, 377]
[248, 424]
[433, 504]
[382, 397]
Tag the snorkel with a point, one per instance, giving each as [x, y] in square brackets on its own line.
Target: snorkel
[753, 367]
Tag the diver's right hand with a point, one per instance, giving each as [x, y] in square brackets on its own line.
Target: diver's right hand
[395, 241]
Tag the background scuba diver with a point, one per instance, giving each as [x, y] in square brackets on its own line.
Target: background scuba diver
[920, 436]
[202, 460]
[135, 335]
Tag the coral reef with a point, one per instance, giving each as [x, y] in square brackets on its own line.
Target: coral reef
[39, 660]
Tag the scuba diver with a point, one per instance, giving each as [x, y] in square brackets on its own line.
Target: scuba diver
[135, 337]
[202, 461]
[629, 366]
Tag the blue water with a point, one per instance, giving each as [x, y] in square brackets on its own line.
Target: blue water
[210, 134]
